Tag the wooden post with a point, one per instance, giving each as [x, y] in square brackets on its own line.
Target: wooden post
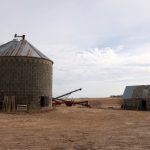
[9, 104]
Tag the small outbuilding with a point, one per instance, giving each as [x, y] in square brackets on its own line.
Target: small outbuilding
[25, 77]
[137, 97]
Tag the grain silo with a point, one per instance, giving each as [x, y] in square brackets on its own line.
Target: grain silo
[137, 97]
[25, 75]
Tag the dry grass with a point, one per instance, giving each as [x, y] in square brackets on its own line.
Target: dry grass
[73, 128]
[103, 102]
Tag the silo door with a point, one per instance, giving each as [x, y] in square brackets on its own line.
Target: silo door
[44, 101]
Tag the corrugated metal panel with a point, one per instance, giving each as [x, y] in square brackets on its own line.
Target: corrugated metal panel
[20, 48]
[139, 91]
[128, 92]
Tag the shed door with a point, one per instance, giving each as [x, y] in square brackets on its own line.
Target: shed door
[1, 96]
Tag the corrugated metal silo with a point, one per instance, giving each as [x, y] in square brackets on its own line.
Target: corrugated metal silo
[25, 73]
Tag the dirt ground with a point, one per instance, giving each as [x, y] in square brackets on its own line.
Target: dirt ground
[76, 128]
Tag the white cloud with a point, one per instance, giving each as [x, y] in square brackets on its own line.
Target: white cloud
[100, 45]
[95, 68]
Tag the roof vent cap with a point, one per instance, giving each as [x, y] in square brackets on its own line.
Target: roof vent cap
[19, 36]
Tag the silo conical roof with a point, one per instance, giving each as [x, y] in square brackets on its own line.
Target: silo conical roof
[20, 48]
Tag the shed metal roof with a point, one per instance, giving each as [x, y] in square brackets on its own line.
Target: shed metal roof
[128, 92]
[137, 91]
[20, 48]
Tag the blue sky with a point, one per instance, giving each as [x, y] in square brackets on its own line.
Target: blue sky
[98, 45]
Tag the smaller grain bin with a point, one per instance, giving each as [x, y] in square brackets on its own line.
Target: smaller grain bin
[137, 97]
[25, 76]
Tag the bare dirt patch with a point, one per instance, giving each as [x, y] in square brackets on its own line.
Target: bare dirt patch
[73, 128]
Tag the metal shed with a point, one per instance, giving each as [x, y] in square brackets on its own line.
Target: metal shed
[25, 74]
[137, 97]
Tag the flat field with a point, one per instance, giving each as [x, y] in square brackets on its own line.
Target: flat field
[76, 128]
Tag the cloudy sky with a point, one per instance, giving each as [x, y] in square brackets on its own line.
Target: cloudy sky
[98, 45]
